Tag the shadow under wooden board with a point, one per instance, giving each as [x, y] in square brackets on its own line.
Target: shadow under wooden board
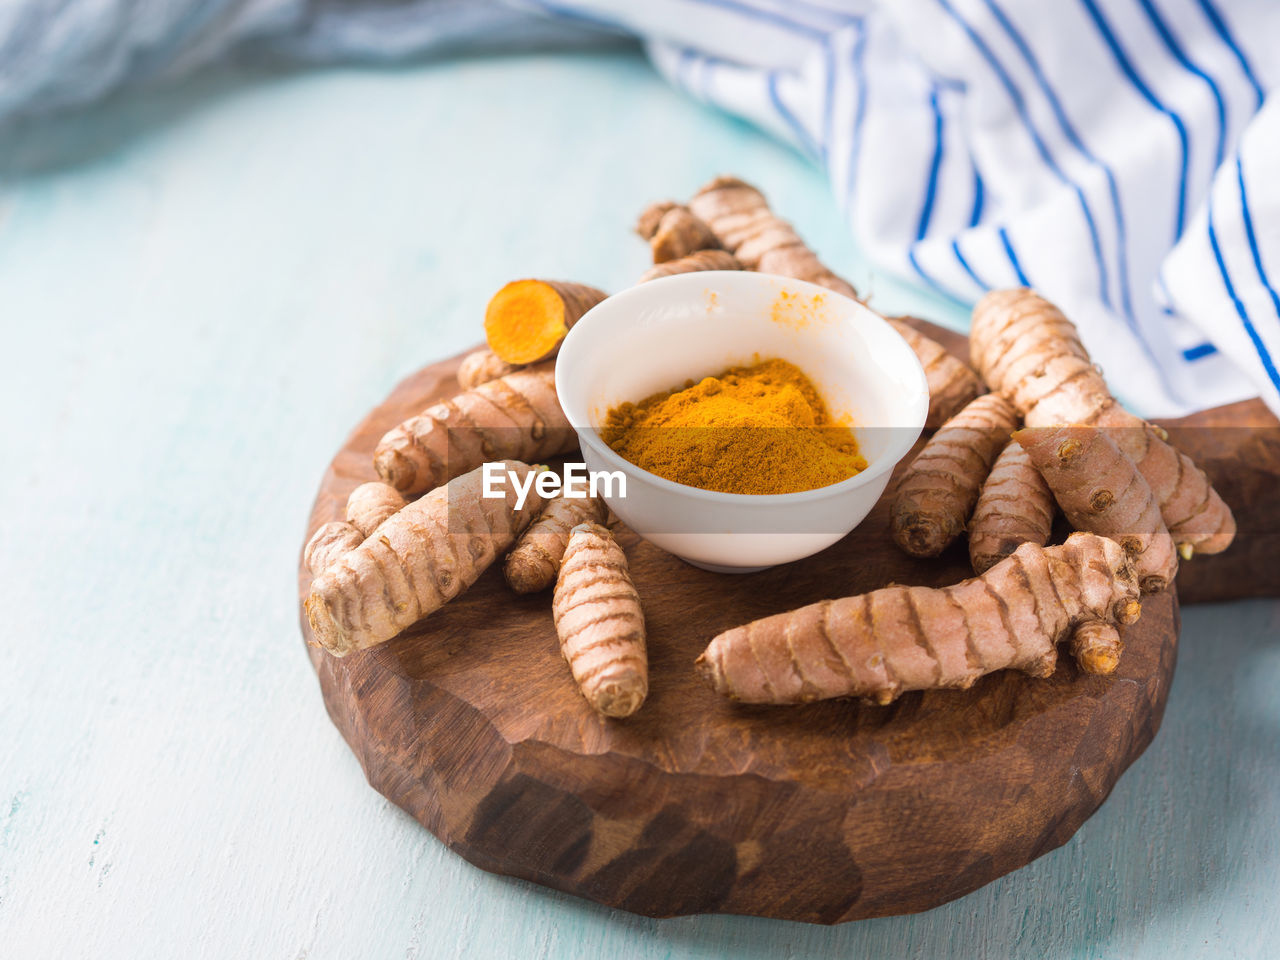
[830, 812]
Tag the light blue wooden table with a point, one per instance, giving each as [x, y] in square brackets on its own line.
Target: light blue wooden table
[201, 290]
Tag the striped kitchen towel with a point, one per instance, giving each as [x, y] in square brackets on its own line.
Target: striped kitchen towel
[1114, 154]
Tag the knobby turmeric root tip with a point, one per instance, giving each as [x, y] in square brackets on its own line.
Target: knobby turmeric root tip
[651, 216]
[371, 503]
[328, 543]
[673, 232]
[1101, 491]
[1096, 646]
[416, 561]
[600, 623]
[526, 320]
[740, 218]
[939, 488]
[1028, 351]
[367, 506]
[884, 643]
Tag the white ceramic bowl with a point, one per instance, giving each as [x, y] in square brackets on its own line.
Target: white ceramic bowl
[659, 334]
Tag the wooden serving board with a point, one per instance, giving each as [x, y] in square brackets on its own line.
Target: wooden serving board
[835, 811]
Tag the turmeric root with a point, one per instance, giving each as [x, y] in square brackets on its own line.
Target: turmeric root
[740, 218]
[367, 506]
[1096, 646]
[1014, 507]
[533, 563]
[423, 557]
[881, 644]
[328, 543]
[693, 263]
[1027, 350]
[371, 503]
[651, 216]
[939, 488]
[1101, 491]
[673, 232]
[952, 384]
[600, 623]
[526, 320]
[482, 366]
[516, 417]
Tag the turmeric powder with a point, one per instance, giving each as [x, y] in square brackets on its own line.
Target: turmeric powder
[516, 417]
[760, 429]
[740, 219]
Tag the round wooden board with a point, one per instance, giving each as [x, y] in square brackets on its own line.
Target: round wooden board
[830, 812]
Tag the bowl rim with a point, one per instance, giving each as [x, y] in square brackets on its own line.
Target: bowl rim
[590, 436]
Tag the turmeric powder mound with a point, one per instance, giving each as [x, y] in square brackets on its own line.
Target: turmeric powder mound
[760, 429]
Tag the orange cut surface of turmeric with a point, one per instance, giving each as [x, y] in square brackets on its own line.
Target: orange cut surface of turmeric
[532, 321]
[760, 429]
[527, 319]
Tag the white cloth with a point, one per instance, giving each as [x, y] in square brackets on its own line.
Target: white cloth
[1114, 154]
[1109, 153]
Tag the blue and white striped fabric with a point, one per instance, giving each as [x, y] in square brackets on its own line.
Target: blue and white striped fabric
[1110, 153]
[1114, 154]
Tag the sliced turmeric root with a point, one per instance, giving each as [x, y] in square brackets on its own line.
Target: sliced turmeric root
[526, 320]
